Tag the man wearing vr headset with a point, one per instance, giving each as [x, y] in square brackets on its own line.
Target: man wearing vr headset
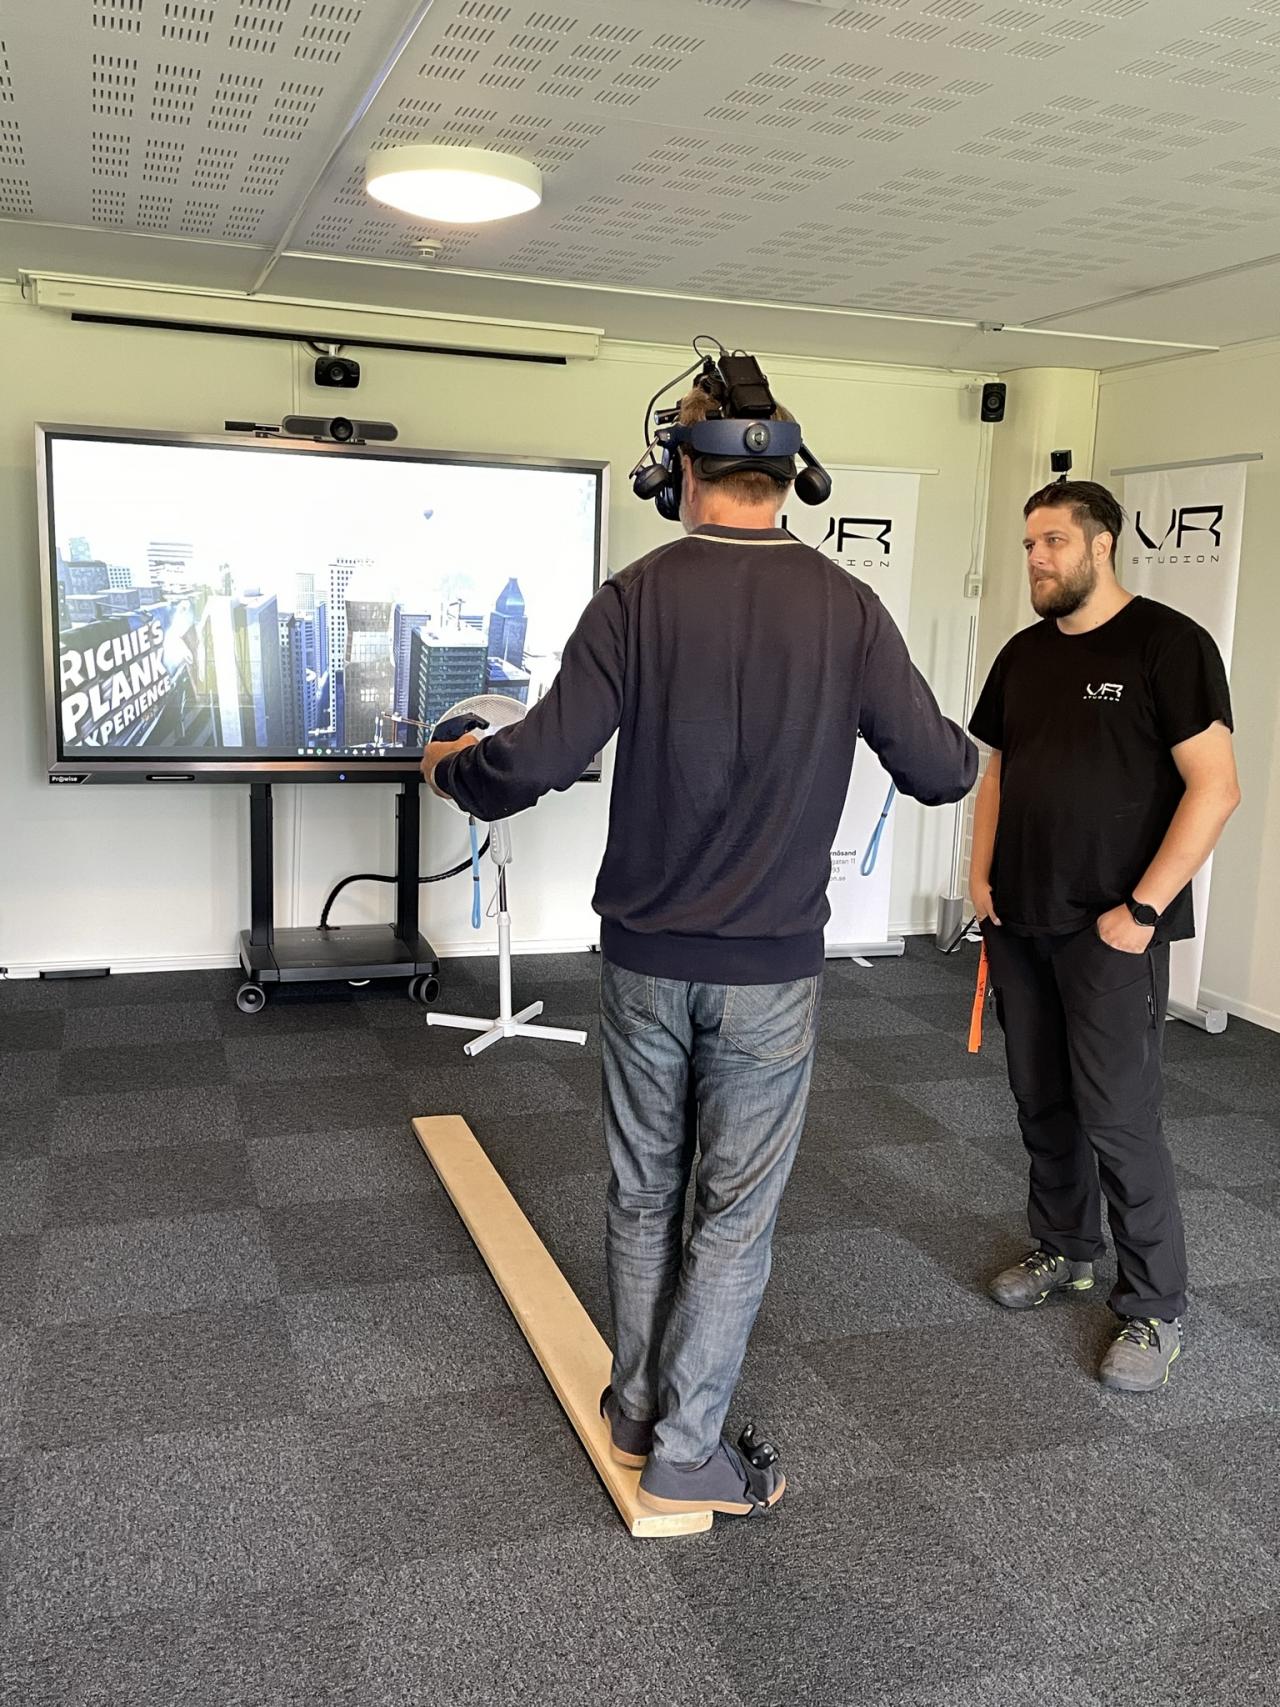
[737, 667]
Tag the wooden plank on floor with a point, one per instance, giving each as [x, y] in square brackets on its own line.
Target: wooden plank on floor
[566, 1342]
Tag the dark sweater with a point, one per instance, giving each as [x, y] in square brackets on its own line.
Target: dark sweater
[737, 667]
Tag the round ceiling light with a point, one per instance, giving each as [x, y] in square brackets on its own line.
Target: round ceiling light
[453, 186]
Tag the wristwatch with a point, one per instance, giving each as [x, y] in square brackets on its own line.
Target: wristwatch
[1142, 914]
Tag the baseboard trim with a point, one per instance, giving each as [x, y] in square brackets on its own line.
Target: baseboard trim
[1242, 1010]
[128, 963]
[217, 962]
[465, 949]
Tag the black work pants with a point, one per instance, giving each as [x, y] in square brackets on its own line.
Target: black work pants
[1083, 1027]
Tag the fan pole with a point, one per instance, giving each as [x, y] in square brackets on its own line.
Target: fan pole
[504, 951]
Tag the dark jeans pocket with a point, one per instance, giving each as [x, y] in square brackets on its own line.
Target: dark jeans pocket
[771, 1022]
[626, 999]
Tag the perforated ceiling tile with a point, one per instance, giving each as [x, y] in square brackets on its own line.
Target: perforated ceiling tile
[265, 174]
[236, 101]
[109, 205]
[121, 17]
[111, 89]
[259, 26]
[154, 211]
[199, 218]
[1117, 8]
[185, 22]
[292, 111]
[115, 85]
[15, 196]
[821, 150]
[109, 159]
[215, 169]
[162, 163]
[977, 41]
[243, 224]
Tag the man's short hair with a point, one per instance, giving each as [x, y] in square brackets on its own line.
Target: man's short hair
[747, 486]
[1092, 506]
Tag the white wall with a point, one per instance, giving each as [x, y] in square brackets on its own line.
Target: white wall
[133, 877]
[1208, 406]
[1046, 409]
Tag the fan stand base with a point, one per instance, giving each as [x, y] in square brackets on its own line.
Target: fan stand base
[507, 1024]
[512, 1025]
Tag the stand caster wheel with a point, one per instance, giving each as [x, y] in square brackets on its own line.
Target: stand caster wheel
[424, 990]
[251, 998]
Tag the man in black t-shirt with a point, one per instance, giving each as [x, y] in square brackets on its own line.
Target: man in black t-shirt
[1110, 779]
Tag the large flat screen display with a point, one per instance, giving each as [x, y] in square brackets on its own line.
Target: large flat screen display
[251, 607]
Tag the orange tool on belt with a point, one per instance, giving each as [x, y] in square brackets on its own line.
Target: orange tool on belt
[979, 1004]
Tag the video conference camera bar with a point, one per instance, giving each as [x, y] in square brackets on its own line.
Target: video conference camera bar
[337, 430]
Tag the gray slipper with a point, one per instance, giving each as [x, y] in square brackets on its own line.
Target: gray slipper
[741, 1481]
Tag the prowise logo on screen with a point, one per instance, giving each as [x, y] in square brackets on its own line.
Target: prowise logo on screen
[1191, 520]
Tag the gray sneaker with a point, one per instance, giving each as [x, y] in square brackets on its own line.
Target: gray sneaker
[1141, 1355]
[1030, 1281]
[630, 1442]
[741, 1481]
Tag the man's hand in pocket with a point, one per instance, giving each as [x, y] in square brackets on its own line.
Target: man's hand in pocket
[1121, 931]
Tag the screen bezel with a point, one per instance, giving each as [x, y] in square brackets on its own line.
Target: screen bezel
[137, 769]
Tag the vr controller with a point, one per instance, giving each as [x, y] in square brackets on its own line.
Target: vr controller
[742, 433]
[454, 728]
[480, 716]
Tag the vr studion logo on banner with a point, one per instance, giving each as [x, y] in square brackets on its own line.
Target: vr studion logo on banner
[1184, 550]
[857, 542]
[1195, 529]
[868, 527]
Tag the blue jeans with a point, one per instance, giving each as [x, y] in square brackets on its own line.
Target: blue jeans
[720, 1072]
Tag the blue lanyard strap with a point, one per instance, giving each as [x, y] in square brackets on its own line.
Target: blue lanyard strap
[873, 846]
[475, 876]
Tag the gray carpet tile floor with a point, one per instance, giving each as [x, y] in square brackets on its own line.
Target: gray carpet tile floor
[270, 1437]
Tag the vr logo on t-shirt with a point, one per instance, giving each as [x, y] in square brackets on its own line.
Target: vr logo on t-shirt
[1103, 690]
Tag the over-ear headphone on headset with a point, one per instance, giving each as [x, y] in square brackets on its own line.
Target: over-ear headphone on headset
[741, 434]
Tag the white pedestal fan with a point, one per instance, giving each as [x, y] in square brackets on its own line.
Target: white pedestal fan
[481, 715]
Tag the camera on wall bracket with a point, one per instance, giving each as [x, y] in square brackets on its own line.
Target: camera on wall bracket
[337, 371]
[332, 367]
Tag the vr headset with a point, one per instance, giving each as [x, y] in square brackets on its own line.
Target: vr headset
[741, 434]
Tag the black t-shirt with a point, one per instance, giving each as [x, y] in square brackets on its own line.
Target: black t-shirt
[1084, 724]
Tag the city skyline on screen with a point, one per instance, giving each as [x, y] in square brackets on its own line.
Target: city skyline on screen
[221, 602]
